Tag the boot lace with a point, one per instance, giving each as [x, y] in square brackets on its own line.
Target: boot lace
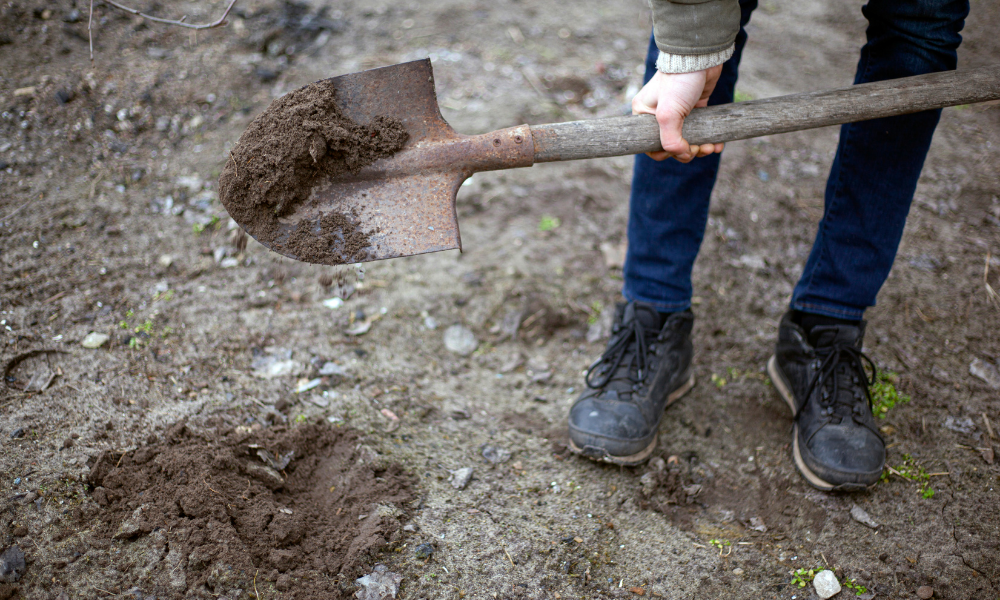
[628, 348]
[844, 383]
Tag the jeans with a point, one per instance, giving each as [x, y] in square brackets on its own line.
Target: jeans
[868, 193]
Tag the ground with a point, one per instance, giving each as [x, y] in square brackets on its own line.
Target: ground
[110, 223]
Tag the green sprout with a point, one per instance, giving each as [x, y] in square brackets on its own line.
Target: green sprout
[884, 394]
[197, 228]
[301, 419]
[803, 577]
[595, 311]
[720, 382]
[740, 96]
[911, 471]
[548, 223]
[854, 586]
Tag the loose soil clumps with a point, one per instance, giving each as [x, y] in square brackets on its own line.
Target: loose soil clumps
[299, 508]
[303, 137]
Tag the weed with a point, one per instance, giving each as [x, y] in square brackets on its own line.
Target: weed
[301, 419]
[720, 382]
[146, 327]
[803, 577]
[721, 545]
[855, 587]
[548, 223]
[741, 96]
[164, 297]
[911, 471]
[595, 312]
[884, 394]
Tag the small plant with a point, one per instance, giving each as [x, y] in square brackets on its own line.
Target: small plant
[548, 223]
[164, 297]
[720, 382]
[884, 394]
[803, 577]
[301, 419]
[855, 587]
[721, 545]
[595, 312]
[740, 96]
[911, 471]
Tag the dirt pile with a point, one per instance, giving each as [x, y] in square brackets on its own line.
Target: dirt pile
[300, 138]
[299, 508]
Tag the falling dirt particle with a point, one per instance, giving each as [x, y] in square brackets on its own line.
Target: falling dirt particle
[301, 138]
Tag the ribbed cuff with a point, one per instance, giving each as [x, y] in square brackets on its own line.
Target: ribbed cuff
[689, 63]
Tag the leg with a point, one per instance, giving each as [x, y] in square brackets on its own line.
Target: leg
[878, 162]
[818, 367]
[669, 206]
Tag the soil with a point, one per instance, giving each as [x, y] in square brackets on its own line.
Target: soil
[299, 139]
[110, 222]
[302, 506]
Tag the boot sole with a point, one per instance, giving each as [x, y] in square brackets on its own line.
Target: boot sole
[642, 456]
[784, 390]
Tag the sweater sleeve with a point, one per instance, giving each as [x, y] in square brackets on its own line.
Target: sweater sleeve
[694, 34]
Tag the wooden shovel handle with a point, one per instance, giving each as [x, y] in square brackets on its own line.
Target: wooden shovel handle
[620, 136]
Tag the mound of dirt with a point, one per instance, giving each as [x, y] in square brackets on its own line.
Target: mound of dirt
[282, 155]
[294, 511]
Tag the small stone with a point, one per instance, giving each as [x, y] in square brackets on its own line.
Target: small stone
[757, 524]
[826, 584]
[95, 340]
[460, 340]
[20, 531]
[925, 592]
[17, 433]
[29, 498]
[11, 564]
[963, 425]
[496, 454]
[461, 477]
[737, 571]
[985, 371]
[331, 368]
[423, 551]
[380, 584]
[859, 515]
[409, 528]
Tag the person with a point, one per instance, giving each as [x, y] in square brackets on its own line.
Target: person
[818, 367]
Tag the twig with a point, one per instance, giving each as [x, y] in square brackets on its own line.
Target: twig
[989, 427]
[179, 22]
[508, 556]
[255, 584]
[991, 294]
[90, 39]
[235, 166]
[16, 210]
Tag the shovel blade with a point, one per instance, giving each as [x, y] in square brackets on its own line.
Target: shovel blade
[401, 207]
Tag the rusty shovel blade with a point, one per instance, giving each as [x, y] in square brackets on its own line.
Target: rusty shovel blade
[405, 203]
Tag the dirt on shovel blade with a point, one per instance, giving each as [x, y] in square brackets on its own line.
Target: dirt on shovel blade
[300, 139]
[292, 510]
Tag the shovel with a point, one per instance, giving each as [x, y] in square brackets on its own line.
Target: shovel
[405, 203]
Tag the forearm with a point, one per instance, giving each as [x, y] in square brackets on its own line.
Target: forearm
[693, 35]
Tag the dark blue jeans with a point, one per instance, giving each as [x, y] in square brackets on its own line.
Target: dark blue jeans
[868, 193]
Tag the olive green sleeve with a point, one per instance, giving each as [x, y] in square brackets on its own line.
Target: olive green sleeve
[694, 34]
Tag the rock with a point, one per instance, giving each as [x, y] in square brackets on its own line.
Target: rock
[29, 498]
[614, 254]
[333, 303]
[409, 528]
[460, 340]
[757, 524]
[331, 368]
[11, 564]
[359, 328]
[274, 365]
[826, 584]
[423, 551]
[165, 260]
[95, 340]
[859, 515]
[925, 592]
[960, 425]
[430, 323]
[304, 385]
[17, 433]
[496, 454]
[132, 526]
[380, 584]
[737, 571]
[985, 371]
[461, 477]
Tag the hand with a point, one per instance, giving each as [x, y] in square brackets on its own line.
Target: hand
[671, 96]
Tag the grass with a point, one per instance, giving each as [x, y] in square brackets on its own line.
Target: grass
[854, 586]
[884, 394]
[803, 577]
[739, 96]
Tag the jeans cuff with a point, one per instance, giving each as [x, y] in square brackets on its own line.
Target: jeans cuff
[664, 307]
[837, 312]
